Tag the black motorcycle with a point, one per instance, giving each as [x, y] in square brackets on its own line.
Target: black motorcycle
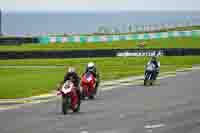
[150, 74]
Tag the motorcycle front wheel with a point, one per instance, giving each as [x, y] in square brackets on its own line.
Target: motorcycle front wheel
[77, 109]
[146, 76]
[93, 94]
[91, 97]
[82, 95]
[65, 104]
[145, 82]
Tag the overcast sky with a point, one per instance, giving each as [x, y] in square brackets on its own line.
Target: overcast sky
[98, 5]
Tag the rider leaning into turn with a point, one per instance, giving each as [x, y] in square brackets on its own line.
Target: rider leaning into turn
[92, 68]
[156, 63]
[73, 76]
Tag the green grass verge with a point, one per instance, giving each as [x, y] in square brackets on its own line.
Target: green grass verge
[181, 42]
[24, 82]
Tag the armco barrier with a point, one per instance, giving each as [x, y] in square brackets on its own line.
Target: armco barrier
[109, 38]
[99, 53]
[100, 38]
[17, 40]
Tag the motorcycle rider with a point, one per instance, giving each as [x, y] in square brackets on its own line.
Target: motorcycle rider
[92, 68]
[157, 66]
[73, 76]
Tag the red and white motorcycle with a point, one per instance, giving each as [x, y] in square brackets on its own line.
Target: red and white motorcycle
[70, 98]
[88, 86]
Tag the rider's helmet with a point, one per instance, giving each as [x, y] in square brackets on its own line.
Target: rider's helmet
[153, 58]
[90, 66]
[71, 70]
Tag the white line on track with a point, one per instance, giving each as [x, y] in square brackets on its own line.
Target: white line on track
[135, 83]
[122, 116]
[102, 89]
[84, 131]
[154, 126]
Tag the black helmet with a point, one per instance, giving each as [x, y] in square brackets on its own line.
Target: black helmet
[153, 58]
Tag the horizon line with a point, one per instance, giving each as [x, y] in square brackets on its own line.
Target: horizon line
[100, 11]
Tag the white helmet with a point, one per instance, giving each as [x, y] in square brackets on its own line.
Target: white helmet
[71, 69]
[90, 65]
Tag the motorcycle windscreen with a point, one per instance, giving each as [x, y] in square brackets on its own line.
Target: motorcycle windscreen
[67, 87]
[150, 67]
[88, 76]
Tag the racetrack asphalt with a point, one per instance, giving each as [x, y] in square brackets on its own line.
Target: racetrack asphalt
[171, 106]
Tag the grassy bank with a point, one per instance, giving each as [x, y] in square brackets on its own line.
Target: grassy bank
[181, 42]
[29, 81]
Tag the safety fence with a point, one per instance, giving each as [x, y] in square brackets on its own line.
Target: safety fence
[95, 38]
[99, 53]
[110, 38]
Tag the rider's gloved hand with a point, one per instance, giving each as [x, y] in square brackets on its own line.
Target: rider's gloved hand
[58, 86]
